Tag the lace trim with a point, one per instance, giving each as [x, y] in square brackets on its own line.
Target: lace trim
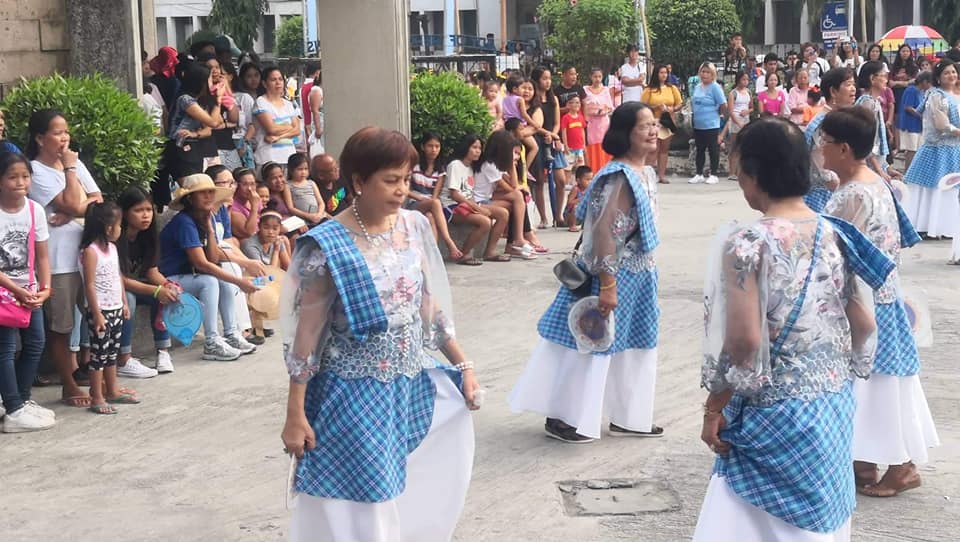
[383, 356]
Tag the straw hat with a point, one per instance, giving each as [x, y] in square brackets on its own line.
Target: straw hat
[198, 182]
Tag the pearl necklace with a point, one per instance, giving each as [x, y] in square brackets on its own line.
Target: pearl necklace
[405, 306]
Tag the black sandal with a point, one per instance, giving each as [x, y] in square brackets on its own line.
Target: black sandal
[655, 432]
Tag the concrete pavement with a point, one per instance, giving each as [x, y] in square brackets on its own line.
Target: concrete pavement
[201, 458]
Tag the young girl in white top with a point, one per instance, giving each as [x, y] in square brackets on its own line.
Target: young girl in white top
[106, 305]
[741, 108]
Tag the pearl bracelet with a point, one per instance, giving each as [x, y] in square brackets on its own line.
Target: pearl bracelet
[464, 366]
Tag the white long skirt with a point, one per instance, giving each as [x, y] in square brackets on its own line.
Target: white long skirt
[580, 389]
[955, 249]
[933, 211]
[892, 424]
[438, 475]
[726, 517]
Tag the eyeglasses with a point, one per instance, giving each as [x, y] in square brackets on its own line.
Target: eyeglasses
[822, 140]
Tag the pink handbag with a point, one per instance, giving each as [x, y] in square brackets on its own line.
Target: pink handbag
[12, 312]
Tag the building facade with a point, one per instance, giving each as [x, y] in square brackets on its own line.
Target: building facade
[177, 20]
[780, 22]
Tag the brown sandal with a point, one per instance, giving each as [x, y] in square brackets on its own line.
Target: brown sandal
[866, 477]
[885, 488]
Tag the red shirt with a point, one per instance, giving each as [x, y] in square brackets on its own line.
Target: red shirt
[574, 127]
[305, 99]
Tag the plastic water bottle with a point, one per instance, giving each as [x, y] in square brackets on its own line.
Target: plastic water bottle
[260, 282]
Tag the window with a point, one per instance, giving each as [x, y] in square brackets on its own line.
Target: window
[183, 29]
[468, 22]
[269, 34]
[162, 38]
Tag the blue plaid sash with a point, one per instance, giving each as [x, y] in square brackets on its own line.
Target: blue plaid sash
[908, 234]
[352, 277]
[863, 257]
[648, 230]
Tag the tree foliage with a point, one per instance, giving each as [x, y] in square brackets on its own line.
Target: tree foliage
[591, 32]
[445, 104]
[290, 38]
[113, 135]
[238, 19]
[683, 30]
[942, 17]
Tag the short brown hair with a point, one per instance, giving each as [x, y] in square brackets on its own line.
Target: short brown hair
[371, 149]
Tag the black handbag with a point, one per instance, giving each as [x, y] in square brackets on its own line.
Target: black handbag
[571, 275]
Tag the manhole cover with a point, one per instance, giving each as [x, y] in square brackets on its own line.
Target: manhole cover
[617, 497]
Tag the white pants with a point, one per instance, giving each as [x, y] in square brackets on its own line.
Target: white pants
[580, 389]
[726, 517]
[240, 303]
[892, 424]
[438, 475]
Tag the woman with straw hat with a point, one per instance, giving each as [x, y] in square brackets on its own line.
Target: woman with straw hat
[189, 255]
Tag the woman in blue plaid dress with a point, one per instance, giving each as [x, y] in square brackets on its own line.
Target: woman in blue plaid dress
[893, 425]
[382, 432]
[931, 210]
[787, 329]
[575, 390]
[839, 90]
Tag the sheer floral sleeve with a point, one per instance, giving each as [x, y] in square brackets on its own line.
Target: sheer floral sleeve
[307, 301]
[736, 345]
[610, 221]
[436, 308]
[863, 332]
[939, 107]
[852, 206]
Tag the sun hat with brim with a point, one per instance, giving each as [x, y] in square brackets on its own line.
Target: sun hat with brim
[198, 182]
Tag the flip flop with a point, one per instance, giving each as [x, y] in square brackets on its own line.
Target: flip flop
[124, 399]
[472, 262]
[77, 401]
[881, 490]
[498, 258]
[102, 409]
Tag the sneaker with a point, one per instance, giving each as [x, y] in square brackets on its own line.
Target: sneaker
[617, 431]
[239, 343]
[39, 410]
[25, 420]
[135, 369]
[696, 179]
[164, 362]
[712, 179]
[218, 350]
[565, 434]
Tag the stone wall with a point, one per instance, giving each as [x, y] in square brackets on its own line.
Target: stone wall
[34, 39]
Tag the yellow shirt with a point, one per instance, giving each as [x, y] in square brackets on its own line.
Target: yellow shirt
[665, 95]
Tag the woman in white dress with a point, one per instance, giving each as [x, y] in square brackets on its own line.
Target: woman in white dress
[893, 425]
[382, 431]
[787, 329]
[575, 390]
[931, 210]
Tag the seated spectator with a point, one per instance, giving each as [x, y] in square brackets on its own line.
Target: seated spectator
[523, 179]
[458, 197]
[496, 184]
[24, 274]
[300, 196]
[276, 182]
[425, 186]
[246, 205]
[190, 256]
[268, 246]
[584, 175]
[325, 171]
[138, 250]
[65, 187]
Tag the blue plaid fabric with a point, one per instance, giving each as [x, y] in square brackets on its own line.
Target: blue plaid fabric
[896, 347]
[880, 138]
[908, 234]
[637, 314]
[365, 430]
[932, 162]
[810, 133]
[647, 233]
[817, 198]
[864, 258]
[350, 274]
[792, 459]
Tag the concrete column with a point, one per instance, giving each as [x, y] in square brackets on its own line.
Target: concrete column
[769, 28]
[917, 12]
[148, 27]
[449, 25]
[109, 31]
[171, 33]
[804, 23]
[195, 23]
[386, 53]
[878, 20]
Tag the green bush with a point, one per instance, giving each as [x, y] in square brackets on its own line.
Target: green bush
[683, 30]
[290, 38]
[446, 105]
[113, 135]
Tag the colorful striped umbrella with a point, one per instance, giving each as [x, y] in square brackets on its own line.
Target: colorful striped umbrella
[922, 39]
